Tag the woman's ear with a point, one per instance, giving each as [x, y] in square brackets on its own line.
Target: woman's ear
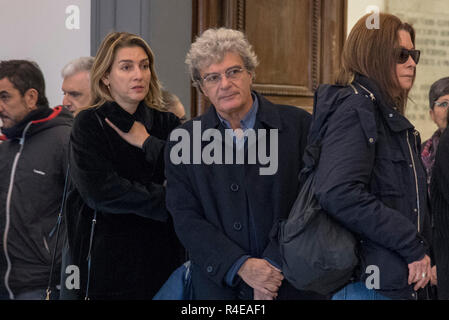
[105, 79]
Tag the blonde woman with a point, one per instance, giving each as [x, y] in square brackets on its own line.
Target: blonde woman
[117, 220]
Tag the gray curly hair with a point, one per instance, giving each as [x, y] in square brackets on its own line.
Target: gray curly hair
[212, 46]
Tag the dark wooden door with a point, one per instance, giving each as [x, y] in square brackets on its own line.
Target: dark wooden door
[298, 43]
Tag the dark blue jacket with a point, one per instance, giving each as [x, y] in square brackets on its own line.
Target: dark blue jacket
[210, 203]
[370, 178]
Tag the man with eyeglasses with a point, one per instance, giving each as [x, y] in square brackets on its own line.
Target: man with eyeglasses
[224, 212]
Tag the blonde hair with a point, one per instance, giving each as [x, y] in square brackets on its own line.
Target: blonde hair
[103, 62]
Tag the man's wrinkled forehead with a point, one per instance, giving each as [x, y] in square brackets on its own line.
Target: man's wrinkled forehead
[217, 58]
[208, 61]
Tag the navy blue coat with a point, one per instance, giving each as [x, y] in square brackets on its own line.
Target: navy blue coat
[210, 203]
[370, 178]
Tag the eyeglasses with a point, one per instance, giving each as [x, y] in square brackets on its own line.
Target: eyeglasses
[213, 79]
[443, 104]
[403, 54]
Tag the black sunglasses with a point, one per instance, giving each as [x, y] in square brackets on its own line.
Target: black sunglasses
[403, 54]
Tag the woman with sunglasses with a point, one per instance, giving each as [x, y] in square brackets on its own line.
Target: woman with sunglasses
[439, 186]
[369, 176]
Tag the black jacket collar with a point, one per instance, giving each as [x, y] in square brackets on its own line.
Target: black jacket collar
[17, 130]
[121, 118]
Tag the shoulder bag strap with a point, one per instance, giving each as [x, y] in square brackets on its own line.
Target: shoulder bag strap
[58, 227]
[94, 221]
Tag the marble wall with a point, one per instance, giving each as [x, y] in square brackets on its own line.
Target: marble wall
[431, 22]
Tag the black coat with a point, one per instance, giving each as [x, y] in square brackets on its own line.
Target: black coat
[439, 194]
[134, 246]
[370, 178]
[210, 203]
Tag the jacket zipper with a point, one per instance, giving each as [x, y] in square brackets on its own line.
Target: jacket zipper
[371, 95]
[8, 211]
[416, 179]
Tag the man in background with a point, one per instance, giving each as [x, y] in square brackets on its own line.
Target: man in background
[33, 166]
[76, 84]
